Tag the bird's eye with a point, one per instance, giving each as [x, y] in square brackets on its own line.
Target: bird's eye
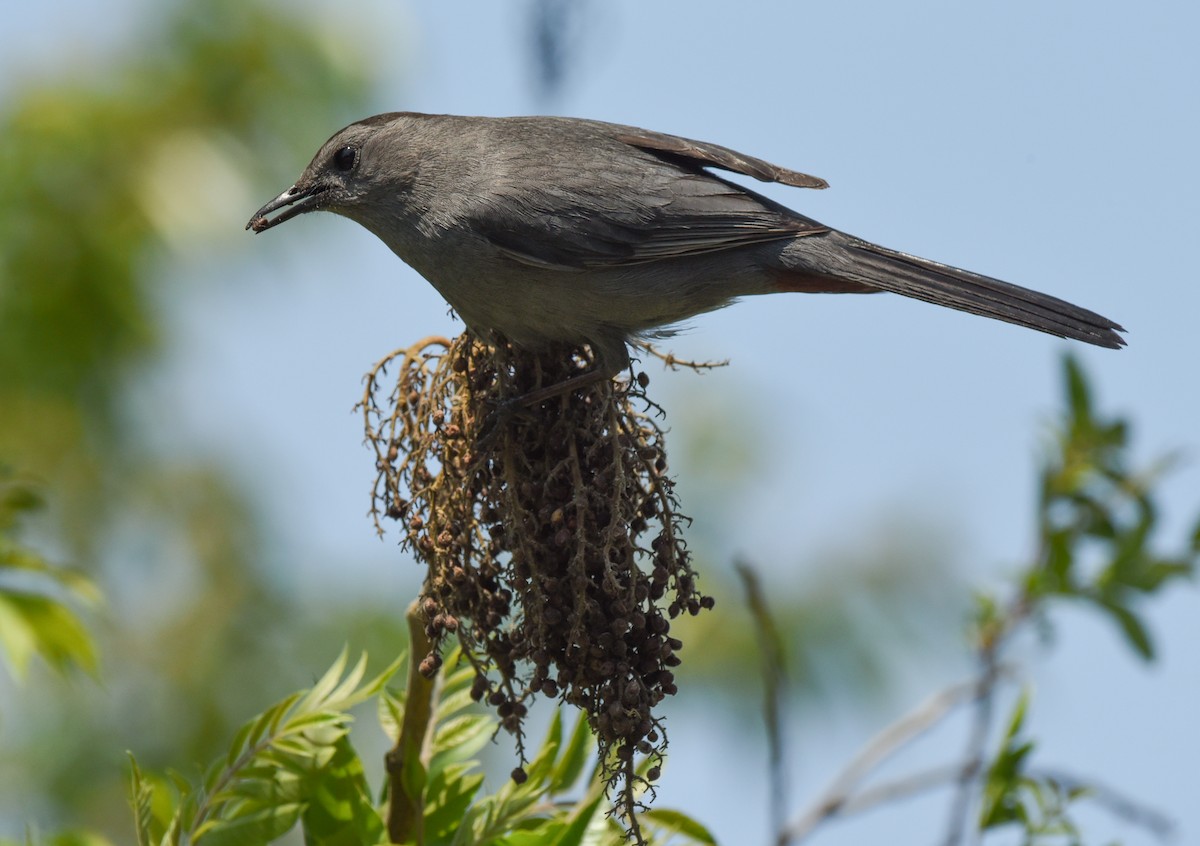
[345, 158]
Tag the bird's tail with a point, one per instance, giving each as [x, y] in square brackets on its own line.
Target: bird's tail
[922, 279]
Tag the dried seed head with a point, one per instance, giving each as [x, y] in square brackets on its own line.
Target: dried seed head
[536, 538]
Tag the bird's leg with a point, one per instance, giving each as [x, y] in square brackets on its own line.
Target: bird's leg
[558, 389]
[506, 410]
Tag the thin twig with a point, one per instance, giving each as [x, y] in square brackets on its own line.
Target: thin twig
[774, 670]
[902, 788]
[981, 724]
[673, 362]
[837, 797]
[992, 639]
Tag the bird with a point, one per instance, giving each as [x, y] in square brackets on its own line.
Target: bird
[557, 230]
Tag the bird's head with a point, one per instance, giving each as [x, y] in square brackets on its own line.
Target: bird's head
[362, 167]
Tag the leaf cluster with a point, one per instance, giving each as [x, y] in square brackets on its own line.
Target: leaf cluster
[294, 765]
[1097, 521]
[1098, 545]
[1038, 805]
[38, 600]
[123, 165]
[1094, 509]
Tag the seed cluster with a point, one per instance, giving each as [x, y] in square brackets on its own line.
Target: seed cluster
[553, 546]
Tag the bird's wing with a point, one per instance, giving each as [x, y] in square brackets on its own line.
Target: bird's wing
[630, 197]
[703, 154]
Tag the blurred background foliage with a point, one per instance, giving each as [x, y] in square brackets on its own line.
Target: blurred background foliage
[107, 174]
[115, 178]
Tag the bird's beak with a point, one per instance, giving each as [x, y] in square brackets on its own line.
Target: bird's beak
[295, 201]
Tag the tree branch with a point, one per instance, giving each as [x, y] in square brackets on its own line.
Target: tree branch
[774, 670]
[976, 745]
[902, 788]
[838, 799]
[406, 761]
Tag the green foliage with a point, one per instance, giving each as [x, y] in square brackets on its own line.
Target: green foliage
[63, 838]
[35, 617]
[294, 765]
[108, 171]
[1012, 795]
[122, 171]
[1098, 547]
[1096, 521]
[1097, 518]
[84, 162]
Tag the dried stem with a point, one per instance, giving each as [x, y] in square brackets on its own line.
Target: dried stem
[774, 670]
[839, 797]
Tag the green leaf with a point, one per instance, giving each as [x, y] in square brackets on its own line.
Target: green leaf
[1078, 395]
[1155, 573]
[347, 688]
[540, 768]
[451, 703]
[390, 712]
[18, 636]
[447, 797]
[1002, 801]
[1060, 559]
[78, 837]
[241, 739]
[276, 714]
[141, 796]
[545, 832]
[497, 814]
[673, 822]
[339, 810]
[16, 498]
[327, 684]
[570, 766]
[580, 822]
[32, 624]
[456, 687]
[294, 762]
[256, 828]
[1133, 629]
[460, 738]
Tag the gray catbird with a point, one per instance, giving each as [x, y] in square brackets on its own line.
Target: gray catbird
[548, 229]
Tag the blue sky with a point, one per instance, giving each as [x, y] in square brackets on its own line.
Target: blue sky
[1048, 144]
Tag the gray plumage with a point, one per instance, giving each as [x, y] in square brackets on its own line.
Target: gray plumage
[551, 229]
